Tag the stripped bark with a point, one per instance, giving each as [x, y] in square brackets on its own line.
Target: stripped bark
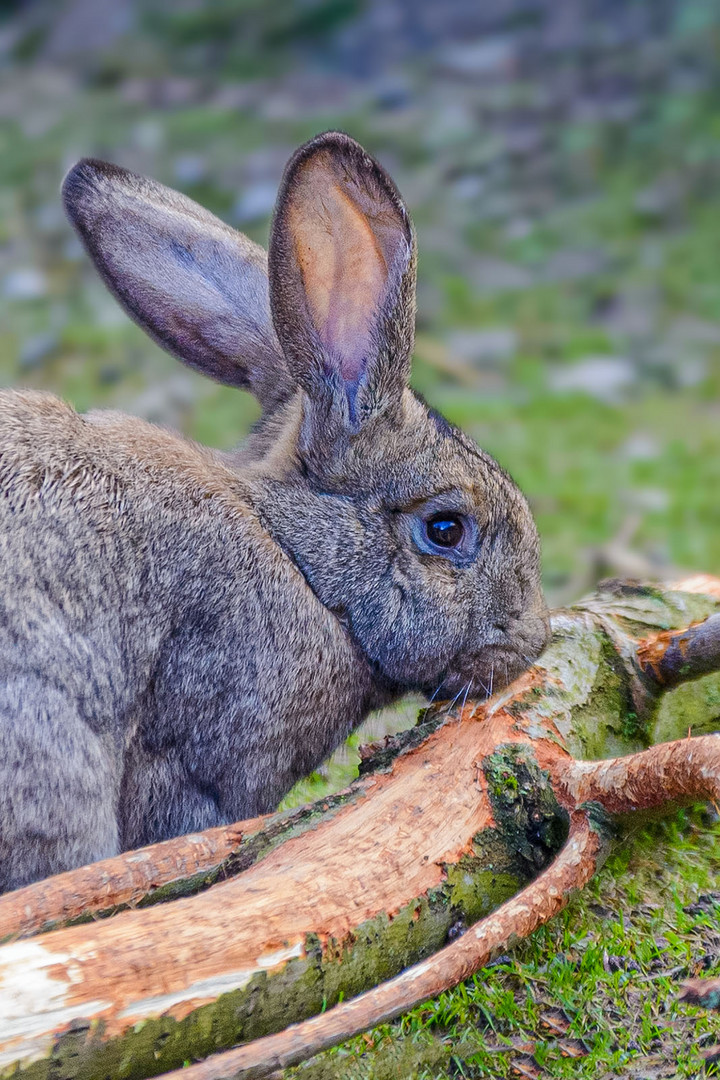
[673, 773]
[354, 889]
[548, 894]
[129, 880]
[671, 658]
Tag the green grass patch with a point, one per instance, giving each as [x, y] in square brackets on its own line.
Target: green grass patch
[593, 993]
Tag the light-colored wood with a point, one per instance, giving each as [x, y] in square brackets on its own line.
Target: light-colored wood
[516, 918]
[702, 584]
[128, 879]
[172, 958]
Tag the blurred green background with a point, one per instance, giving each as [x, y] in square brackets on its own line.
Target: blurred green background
[561, 160]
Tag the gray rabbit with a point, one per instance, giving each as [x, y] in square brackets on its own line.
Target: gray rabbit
[183, 632]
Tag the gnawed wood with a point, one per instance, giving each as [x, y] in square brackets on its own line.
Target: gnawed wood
[576, 863]
[700, 584]
[371, 882]
[180, 867]
[672, 773]
[671, 658]
[131, 879]
[293, 906]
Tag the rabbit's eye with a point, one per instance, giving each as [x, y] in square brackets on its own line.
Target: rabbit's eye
[445, 530]
[447, 533]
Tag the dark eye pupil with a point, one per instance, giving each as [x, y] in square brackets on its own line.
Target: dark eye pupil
[445, 530]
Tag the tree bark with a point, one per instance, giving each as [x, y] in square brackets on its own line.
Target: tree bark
[446, 822]
[518, 917]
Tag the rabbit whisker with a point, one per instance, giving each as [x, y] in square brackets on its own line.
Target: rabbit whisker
[435, 694]
[451, 706]
[487, 690]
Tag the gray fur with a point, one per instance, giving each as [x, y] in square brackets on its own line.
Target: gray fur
[184, 633]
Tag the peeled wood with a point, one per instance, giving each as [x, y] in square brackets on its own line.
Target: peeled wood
[672, 658]
[353, 893]
[130, 879]
[516, 918]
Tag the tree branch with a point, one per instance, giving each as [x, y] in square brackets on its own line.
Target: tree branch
[160, 872]
[676, 772]
[583, 853]
[127, 880]
[670, 658]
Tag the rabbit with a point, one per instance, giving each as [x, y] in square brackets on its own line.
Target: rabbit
[184, 632]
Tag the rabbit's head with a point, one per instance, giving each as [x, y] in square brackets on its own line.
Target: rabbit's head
[417, 540]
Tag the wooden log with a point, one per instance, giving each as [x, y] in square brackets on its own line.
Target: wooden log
[672, 772]
[548, 894]
[449, 829]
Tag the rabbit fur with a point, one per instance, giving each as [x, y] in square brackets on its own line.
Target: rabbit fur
[185, 632]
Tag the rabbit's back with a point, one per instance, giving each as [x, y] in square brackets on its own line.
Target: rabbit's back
[155, 642]
[115, 537]
[75, 638]
[99, 516]
[66, 553]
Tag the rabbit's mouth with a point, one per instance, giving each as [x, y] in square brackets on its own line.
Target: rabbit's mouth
[480, 677]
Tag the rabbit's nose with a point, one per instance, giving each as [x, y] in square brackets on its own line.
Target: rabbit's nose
[506, 619]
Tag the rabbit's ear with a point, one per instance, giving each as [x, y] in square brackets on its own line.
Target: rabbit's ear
[342, 276]
[198, 287]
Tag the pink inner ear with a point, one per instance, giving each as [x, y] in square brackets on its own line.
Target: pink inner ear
[338, 248]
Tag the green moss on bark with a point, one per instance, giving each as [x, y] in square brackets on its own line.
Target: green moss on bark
[691, 707]
[527, 814]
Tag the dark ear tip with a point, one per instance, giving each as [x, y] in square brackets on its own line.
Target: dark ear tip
[85, 177]
[350, 156]
[338, 143]
[339, 140]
